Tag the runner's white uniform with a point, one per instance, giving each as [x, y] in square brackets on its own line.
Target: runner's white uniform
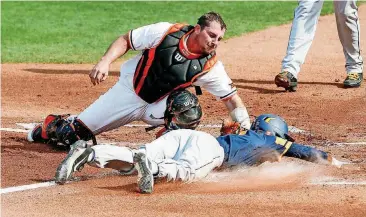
[303, 31]
[120, 105]
[179, 154]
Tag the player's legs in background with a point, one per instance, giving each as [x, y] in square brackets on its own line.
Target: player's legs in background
[301, 36]
[349, 34]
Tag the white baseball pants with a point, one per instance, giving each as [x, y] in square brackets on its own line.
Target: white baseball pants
[303, 31]
[184, 155]
[119, 106]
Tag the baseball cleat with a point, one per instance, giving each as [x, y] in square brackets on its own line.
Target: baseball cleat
[287, 81]
[145, 179]
[74, 161]
[353, 80]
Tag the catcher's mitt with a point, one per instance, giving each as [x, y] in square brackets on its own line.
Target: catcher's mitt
[231, 127]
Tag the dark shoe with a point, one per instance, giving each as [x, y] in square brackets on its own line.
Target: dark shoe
[145, 179]
[287, 81]
[353, 80]
[74, 161]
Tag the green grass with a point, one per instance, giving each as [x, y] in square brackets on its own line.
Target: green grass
[80, 32]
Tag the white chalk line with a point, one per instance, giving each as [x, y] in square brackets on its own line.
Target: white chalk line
[350, 143]
[339, 183]
[27, 187]
[292, 129]
[14, 130]
[52, 183]
[29, 126]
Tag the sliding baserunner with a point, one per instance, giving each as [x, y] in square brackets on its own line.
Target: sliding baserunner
[189, 155]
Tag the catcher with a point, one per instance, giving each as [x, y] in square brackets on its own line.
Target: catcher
[173, 56]
[187, 155]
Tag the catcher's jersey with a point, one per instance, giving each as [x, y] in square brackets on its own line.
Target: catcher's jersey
[216, 81]
[252, 148]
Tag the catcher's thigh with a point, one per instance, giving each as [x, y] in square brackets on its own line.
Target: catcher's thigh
[117, 107]
[154, 114]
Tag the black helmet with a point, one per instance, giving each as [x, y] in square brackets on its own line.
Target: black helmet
[183, 110]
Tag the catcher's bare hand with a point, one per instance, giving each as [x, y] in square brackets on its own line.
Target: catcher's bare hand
[99, 73]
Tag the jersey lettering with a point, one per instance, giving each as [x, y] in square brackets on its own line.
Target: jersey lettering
[178, 57]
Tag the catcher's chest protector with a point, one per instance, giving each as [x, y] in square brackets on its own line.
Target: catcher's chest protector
[169, 66]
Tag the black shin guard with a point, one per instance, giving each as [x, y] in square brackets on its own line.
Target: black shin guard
[68, 132]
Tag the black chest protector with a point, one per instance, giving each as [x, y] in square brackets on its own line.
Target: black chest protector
[165, 68]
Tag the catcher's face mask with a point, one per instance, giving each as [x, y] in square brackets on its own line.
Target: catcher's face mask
[188, 119]
[183, 110]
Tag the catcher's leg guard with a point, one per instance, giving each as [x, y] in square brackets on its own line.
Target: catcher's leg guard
[68, 132]
[59, 130]
[45, 131]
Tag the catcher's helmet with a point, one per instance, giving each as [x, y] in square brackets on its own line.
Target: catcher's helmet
[183, 111]
[272, 123]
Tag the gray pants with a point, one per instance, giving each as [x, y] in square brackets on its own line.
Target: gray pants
[303, 31]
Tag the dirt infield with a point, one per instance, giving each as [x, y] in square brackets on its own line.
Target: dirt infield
[321, 106]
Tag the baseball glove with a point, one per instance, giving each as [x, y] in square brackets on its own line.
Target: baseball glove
[231, 127]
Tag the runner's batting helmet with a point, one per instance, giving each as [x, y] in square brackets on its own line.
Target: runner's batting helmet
[272, 123]
[183, 111]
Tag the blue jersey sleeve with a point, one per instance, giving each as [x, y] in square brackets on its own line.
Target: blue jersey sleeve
[306, 153]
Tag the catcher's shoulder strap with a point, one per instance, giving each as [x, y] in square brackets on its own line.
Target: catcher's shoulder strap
[198, 90]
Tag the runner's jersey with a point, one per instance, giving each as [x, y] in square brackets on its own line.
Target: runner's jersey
[251, 148]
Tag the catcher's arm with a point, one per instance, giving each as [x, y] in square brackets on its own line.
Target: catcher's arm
[238, 111]
[118, 48]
